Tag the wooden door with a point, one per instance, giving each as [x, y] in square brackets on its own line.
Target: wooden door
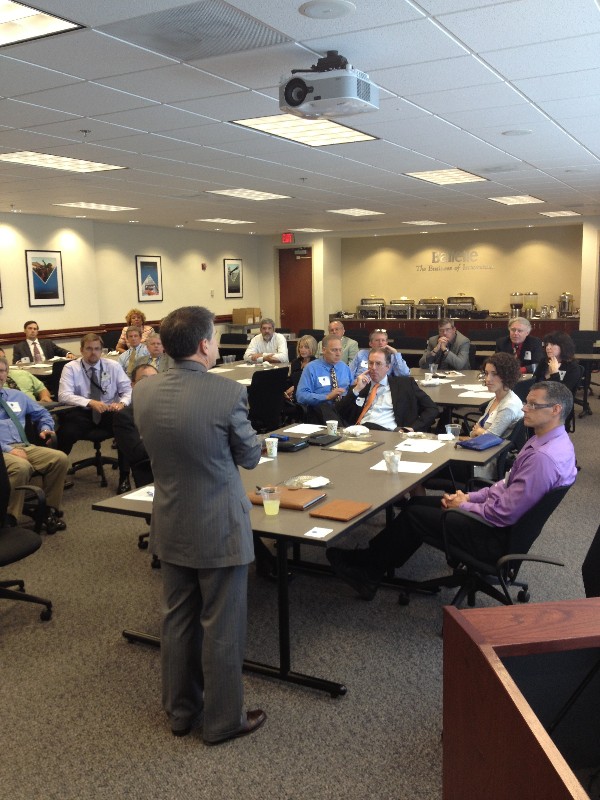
[295, 288]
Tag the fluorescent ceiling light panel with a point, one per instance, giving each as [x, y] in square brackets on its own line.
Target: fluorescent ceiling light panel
[444, 177]
[20, 23]
[516, 200]
[559, 213]
[312, 132]
[34, 159]
[228, 221]
[98, 207]
[423, 222]
[354, 212]
[249, 194]
[311, 230]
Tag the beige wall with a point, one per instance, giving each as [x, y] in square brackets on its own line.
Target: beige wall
[488, 265]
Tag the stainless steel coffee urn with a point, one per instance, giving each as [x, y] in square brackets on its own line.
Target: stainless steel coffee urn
[565, 304]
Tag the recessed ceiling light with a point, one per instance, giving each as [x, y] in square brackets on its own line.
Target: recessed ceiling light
[517, 132]
[55, 162]
[134, 221]
[327, 9]
[98, 207]
[443, 177]
[228, 221]
[311, 132]
[311, 230]
[559, 213]
[354, 212]
[249, 194]
[423, 222]
[179, 226]
[516, 200]
[20, 23]
[80, 216]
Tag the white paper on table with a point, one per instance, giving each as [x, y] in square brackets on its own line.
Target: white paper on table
[452, 373]
[316, 483]
[246, 364]
[318, 533]
[471, 387]
[415, 467]
[305, 428]
[265, 460]
[419, 446]
[245, 381]
[145, 493]
[477, 395]
[219, 370]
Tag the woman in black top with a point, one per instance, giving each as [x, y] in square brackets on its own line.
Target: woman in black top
[559, 363]
[306, 349]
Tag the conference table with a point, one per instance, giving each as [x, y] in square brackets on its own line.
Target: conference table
[350, 476]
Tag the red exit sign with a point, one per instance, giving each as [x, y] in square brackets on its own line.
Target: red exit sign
[287, 238]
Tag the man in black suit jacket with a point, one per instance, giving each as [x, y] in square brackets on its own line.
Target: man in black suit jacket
[46, 347]
[396, 403]
[527, 349]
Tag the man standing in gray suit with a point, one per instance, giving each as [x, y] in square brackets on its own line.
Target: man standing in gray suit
[195, 428]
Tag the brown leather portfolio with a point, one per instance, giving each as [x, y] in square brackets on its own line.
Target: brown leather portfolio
[297, 499]
[342, 510]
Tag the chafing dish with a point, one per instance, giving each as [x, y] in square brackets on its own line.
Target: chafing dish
[460, 306]
[400, 309]
[429, 308]
[370, 308]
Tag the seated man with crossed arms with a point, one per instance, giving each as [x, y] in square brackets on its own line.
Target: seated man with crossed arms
[386, 402]
[23, 458]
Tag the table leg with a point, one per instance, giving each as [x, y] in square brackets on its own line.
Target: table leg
[283, 671]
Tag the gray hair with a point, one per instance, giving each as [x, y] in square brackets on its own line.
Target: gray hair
[521, 320]
[267, 321]
[182, 330]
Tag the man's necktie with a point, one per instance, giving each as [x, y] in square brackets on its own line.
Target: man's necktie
[95, 393]
[37, 353]
[334, 383]
[15, 420]
[368, 402]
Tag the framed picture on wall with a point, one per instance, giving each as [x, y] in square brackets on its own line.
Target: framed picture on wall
[233, 272]
[149, 278]
[44, 277]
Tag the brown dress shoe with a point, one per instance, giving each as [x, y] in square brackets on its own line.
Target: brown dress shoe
[254, 719]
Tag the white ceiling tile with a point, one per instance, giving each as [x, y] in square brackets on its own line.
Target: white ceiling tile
[152, 118]
[170, 84]
[584, 83]
[87, 54]
[18, 77]
[546, 58]
[525, 22]
[85, 99]
[442, 75]
[468, 99]
[241, 105]
[24, 115]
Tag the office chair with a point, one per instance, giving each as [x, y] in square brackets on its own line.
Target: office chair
[15, 544]
[316, 333]
[359, 335]
[96, 437]
[110, 338]
[474, 361]
[54, 379]
[506, 548]
[265, 398]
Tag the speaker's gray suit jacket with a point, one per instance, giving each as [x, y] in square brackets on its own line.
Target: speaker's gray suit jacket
[195, 428]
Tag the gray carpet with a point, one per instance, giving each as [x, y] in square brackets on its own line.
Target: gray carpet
[81, 715]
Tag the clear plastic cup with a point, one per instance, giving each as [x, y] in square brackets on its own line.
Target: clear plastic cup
[392, 460]
[270, 497]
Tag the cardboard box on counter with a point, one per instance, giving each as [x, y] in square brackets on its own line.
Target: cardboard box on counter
[245, 316]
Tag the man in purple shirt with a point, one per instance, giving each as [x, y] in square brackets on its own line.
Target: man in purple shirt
[546, 462]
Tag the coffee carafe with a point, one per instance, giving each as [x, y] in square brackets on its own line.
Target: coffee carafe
[516, 303]
[565, 304]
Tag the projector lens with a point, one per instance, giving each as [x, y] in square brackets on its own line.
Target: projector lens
[295, 92]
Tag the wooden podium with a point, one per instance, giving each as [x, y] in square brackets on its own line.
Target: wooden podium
[509, 674]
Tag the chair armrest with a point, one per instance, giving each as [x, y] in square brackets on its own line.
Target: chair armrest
[528, 557]
[478, 483]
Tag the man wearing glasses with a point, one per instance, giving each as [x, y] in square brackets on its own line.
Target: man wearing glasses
[527, 349]
[449, 349]
[378, 339]
[546, 462]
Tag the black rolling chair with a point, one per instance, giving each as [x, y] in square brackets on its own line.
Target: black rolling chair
[473, 359]
[316, 333]
[498, 563]
[265, 398]
[97, 460]
[15, 544]
[229, 339]
[54, 379]
[110, 338]
[359, 335]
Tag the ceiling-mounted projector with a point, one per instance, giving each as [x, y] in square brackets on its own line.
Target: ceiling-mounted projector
[330, 88]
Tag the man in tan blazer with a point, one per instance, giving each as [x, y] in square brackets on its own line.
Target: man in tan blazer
[195, 428]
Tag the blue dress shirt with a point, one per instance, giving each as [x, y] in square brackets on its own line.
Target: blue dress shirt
[315, 382]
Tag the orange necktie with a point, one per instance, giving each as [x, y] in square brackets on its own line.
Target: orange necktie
[369, 402]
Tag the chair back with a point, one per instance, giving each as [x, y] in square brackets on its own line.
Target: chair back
[473, 359]
[233, 338]
[527, 529]
[316, 333]
[359, 335]
[265, 398]
[54, 379]
[487, 335]
[110, 338]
